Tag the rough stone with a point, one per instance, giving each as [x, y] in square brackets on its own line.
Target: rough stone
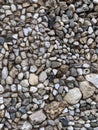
[54, 109]
[37, 117]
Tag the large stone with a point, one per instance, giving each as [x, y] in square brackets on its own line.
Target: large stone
[33, 80]
[42, 76]
[87, 89]
[54, 108]
[37, 117]
[92, 78]
[27, 126]
[73, 96]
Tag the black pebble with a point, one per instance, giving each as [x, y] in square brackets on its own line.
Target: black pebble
[64, 121]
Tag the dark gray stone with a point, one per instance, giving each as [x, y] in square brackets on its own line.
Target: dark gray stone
[2, 40]
[64, 121]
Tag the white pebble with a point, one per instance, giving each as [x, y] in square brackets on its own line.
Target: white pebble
[13, 7]
[1, 100]
[36, 15]
[33, 89]
[95, 1]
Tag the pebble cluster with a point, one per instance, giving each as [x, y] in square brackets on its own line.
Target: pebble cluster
[48, 64]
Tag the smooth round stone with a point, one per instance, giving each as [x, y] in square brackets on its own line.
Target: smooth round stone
[9, 80]
[33, 79]
[13, 88]
[33, 69]
[24, 83]
[20, 76]
[42, 76]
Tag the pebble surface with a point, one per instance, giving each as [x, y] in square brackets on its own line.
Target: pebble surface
[48, 65]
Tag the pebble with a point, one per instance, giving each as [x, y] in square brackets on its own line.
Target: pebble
[55, 108]
[13, 7]
[48, 64]
[33, 89]
[37, 117]
[36, 15]
[1, 89]
[4, 73]
[33, 79]
[33, 69]
[24, 83]
[42, 76]
[26, 126]
[73, 72]
[90, 30]
[93, 79]
[57, 86]
[9, 80]
[1, 100]
[95, 1]
[71, 96]
[64, 121]
[1, 40]
[1, 126]
[27, 31]
[87, 89]
[55, 64]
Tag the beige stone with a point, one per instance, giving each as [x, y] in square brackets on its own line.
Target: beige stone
[87, 89]
[73, 96]
[55, 108]
[33, 80]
